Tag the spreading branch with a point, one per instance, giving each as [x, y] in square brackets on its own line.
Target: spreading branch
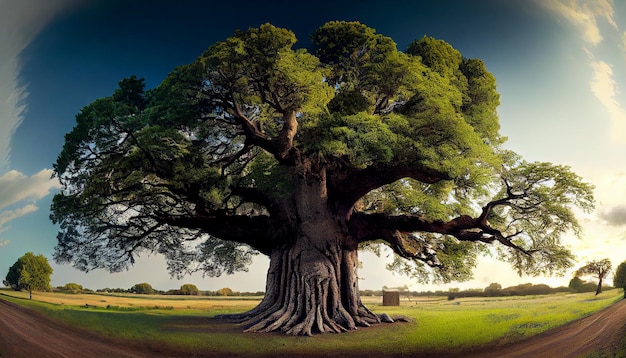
[395, 230]
[349, 185]
[254, 231]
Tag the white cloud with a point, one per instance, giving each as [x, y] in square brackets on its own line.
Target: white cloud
[584, 15]
[605, 89]
[16, 187]
[9, 215]
[20, 22]
[21, 191]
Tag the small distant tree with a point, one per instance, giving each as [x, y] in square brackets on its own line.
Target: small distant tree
[29, 272]
[225, 292]
[72, 287]
[189, 289]
[142, 288]
[576, 284]
[597, 269]
[619, 280]
[494, 289]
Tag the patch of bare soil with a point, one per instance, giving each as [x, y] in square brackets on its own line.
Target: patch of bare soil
[26, 333]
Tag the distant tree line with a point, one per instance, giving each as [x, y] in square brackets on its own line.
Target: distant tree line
[145, 288]
[576, 285]
[186, 289]
[495, 290]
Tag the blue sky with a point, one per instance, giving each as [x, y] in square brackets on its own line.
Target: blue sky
[560, 66]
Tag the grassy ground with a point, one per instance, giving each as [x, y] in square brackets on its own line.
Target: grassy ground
[440, 325]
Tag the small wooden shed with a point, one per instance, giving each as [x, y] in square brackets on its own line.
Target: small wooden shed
[391, 298]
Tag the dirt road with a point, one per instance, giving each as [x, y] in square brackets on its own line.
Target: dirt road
[604, 330]
[26, 333]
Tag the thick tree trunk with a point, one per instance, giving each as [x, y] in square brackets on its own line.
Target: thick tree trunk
[599, 289]
[312, 284]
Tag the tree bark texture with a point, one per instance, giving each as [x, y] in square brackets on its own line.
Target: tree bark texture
[312, 283]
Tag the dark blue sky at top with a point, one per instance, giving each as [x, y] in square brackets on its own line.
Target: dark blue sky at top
[83, 54]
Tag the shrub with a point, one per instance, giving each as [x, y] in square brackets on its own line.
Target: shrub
[72, 288]
[225, 292]
[189, 289]
[142, 288]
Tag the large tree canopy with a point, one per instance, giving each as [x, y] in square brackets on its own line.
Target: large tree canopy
[257, 147]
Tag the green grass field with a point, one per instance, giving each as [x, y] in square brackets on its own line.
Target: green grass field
[440, 325]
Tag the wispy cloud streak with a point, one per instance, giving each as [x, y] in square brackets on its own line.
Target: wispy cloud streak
[605, 89]
[20, 22]
[584, 15]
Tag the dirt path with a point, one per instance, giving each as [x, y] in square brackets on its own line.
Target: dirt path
[26, 333]
[604, 330]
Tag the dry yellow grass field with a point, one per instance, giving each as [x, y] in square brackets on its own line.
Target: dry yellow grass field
[138, 300]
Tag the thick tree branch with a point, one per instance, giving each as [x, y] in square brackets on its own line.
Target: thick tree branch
[261, 197]
[349, 185]
[394, 230]
[255, 231]
[281, 147]
[253, 134]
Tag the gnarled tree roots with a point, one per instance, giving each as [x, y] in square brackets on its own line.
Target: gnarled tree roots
[310, 314]
[308, 293]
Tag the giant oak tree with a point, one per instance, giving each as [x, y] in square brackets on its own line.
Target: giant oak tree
[305, 157]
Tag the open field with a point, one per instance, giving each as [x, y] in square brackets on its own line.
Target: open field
[440, 326]
[138, 301]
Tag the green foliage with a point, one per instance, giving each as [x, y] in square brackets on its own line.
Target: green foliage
[596, 268]
[142, 288]
[576, 284]
[353, 50]
[543, 214]
[72, 288]
[266, 53]
[349, 102]
[225, 291]
[440, 56]
[30, 272]
[189, 289]
[361, 138]
[493, 289]
[619, 280]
